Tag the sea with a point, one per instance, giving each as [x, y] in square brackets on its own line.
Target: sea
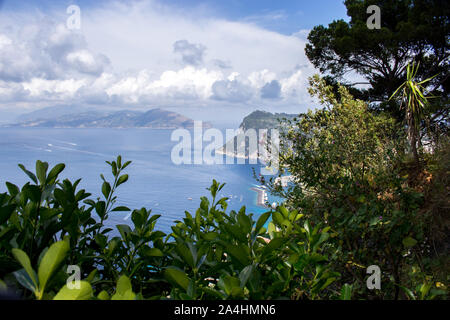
[155, 181]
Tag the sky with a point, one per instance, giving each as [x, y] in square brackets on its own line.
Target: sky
[205, 59]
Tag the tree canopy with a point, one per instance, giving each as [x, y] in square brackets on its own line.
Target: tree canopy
[411, 30]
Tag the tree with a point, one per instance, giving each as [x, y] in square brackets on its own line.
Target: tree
[346, 171]
[414, 101]
[411, 30]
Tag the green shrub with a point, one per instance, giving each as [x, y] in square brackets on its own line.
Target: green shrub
[213, 254]
[348, 173]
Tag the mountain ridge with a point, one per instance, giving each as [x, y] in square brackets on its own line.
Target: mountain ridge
[256, 120]
[156, 118]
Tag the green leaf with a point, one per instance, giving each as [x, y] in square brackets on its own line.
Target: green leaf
[124, 290]
[231, 285]
[23, 259]
[3, 286]
[12, 189]
[271, 229]
[103, 295]
[129, 295]
[307, 228]
[273, 245]
[122, 179]
[278, 218]
[240, 253]
[32, 192]
[25, 280]
[153, 252]
[409, 242]
[28, 173]
[245, 274]
[106, 189]
[124, 230]
[126, 164]
[51, 261]
[346, 292]
[210, 236]
[261, 221]
[41, 171]
[177, 276]
[284, 212]
[245, 222]
[424, 289]
[91, 276]
[53, 174]
[408, 292]
[186, 254]
[121, 209]
[83, 293]
[6, 212]
[100, 208]
[123, 285]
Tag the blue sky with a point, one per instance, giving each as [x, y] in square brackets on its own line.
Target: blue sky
[285, 16]
[195, 57]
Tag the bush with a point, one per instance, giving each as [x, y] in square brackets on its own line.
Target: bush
[49, 225]
[347, 166]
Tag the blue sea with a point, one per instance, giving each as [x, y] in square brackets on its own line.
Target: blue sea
[155, 182]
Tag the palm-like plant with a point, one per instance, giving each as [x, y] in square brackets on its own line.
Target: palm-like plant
[414, 100]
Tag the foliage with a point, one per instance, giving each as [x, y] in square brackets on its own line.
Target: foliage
[414, 101]
[348, 172]
[411, 30]
[213, 254]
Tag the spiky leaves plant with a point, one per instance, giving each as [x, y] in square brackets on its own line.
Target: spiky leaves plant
[414, 100]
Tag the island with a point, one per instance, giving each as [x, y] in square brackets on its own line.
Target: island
[153, 119]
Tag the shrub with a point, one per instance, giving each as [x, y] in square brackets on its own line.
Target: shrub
[347, 166]
[48, 225]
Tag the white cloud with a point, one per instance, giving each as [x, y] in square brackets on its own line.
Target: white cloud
[146, 53]
[259, 78]
[53, 89]
[85, 62]
[231, 91]
[191, 53]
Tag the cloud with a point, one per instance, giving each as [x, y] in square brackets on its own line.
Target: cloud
[271, 90]
[85, 62]
[11, 91]
[222, 64]
[129, 54]
[47, 51]
[191, 53]
[231, 91]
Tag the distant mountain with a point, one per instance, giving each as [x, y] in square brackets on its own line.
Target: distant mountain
[153, 119]
[57, 111]
[263, 120]
[256, 120]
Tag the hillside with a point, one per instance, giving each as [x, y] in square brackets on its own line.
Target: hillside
[256, 120]
[153, 119]
[263, 120]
